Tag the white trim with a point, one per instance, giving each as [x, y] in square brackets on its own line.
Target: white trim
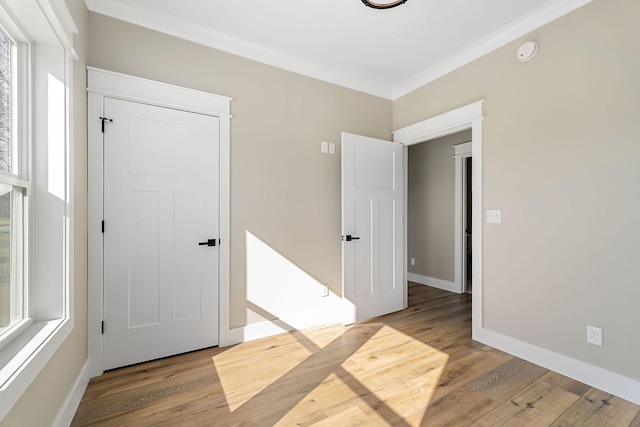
[405, 216]
[461, 152]
[468, 116]
[463, 149]
[442, 125]
[225, 231]
[165, 23]
[68, 411]
[103, 83]
[132, 88]
[611, 382]
[255, 331]
[266, 329]
[445, 285]
[178, 27]
[95, 272]
[530, 22]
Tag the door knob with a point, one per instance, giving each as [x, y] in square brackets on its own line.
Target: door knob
[350, 238]
[209, 242]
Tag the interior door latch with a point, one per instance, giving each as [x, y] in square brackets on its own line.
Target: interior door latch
[349, 238]
[209, 242]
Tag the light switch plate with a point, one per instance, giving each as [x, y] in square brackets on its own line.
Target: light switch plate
[332, 148]
[324, 146]
[494, 216]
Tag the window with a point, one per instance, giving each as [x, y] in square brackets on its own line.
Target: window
[13, 193]
[36, 205]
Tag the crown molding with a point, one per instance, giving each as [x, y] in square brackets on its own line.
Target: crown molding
[530, 22]
[165, 23]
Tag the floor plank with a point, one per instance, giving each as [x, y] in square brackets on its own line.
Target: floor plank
[415, 367]
[598, 409]
[539, 404]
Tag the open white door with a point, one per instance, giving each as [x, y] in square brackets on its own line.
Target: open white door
[372, 233]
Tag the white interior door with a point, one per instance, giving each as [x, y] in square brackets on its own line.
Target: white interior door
[160, 202]
[372, 233]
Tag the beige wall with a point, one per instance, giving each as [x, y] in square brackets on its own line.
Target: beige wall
[431, 206]
[561, 148]
[42, 402]
[283, 190]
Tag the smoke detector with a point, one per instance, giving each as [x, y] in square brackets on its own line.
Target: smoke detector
[527, 51]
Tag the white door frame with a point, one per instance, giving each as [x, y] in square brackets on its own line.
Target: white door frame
[101, 84]
[461, 153]
[466, 117]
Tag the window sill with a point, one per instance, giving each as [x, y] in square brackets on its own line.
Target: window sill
[23, 359]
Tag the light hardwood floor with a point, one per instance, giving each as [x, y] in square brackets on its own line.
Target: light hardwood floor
[415, 367]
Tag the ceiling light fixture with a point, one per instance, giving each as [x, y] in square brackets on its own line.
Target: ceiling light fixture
[388, 5]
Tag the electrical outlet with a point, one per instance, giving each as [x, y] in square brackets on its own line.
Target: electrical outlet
[325, 291]
[594, 335]
[413, 261]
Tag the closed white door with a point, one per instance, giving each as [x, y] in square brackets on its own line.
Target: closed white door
[372, 233]
[160, 202]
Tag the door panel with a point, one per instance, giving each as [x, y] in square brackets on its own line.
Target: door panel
[187, 282]
[386, 241]
[160, 201]
[143, 253]
[372, 204]
[363, 276]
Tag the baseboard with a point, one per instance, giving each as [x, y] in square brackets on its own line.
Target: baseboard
[265, 329]
[433, 282]
[611, 382]
[70, 407]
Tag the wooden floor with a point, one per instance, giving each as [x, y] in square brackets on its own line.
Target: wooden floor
[415, 367]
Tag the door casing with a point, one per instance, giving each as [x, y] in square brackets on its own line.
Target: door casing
[103, 83]
[461, 153]
[463, 118]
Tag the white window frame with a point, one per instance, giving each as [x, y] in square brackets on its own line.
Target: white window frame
[20, 82]
[45, 28]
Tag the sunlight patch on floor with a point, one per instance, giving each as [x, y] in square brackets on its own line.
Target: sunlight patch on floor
[389, 376]
[244, 373]
[333, 403]
[399, 373]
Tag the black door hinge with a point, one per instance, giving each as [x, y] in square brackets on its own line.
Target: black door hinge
[102, 327]
[103, 226]
[104, 119]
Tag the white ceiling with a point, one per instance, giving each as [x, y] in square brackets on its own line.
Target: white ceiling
[387, 53]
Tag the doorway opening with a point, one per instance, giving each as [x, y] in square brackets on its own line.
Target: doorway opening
[465, 117]
[436, 211]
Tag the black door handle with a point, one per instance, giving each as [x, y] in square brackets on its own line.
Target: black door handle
[209, 242]
[350, 238]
